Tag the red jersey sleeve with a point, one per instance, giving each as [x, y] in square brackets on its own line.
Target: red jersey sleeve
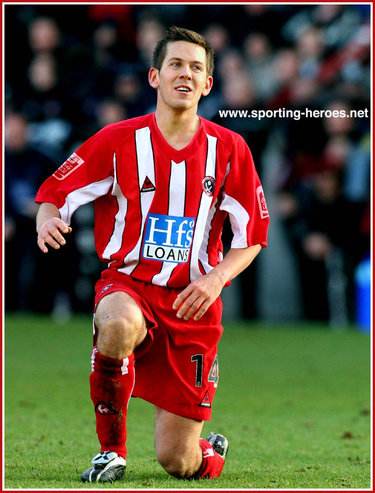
[244, 200]
[86, 175]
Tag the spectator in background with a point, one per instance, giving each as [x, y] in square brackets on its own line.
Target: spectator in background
[230, 64]
[328, 243]
[285, 71]
[323, 219]
[29, 285]
[43, 95]
[44, 35]
[310, 51]
[131, 78]
[107, 56]
[259, 64]
[149, 31]
[217, 35]
[127, 89]
[110, 111]
[337, 23]
[263, 18]
[43, 104]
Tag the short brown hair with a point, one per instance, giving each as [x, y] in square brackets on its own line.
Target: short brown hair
[175, 33]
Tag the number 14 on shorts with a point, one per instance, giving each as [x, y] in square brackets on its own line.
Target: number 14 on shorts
[213, 375]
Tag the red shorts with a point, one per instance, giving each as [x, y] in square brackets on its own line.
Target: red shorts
[176, 367]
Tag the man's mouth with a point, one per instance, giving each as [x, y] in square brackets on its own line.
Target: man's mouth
[184, 89]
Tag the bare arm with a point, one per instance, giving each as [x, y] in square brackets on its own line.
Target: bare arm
[197, 297]
[50, 227]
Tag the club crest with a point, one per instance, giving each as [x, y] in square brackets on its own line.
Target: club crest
[208, 184]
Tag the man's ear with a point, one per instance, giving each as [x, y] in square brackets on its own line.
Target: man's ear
[153, 77]
[208, 86]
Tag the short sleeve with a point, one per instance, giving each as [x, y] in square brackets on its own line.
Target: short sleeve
[86, 175]
[244, 200]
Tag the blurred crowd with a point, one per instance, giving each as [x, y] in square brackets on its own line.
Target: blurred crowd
[72, 69]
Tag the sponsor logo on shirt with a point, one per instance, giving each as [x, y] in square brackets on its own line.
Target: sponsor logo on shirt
[262, 203]
[168, 238]
[71, 164]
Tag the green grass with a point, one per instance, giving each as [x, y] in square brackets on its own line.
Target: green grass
[293, 402]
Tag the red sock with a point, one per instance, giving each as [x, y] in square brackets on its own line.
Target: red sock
[212, 463]
[111, 385]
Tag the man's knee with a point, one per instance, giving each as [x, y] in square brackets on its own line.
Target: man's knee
[177, 464]
[119, 331]
[177, 443]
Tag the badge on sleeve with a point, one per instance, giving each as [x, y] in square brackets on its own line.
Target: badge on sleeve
[262, 203]
[71, 164]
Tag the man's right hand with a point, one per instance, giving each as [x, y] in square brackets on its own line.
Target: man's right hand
[50, 227]
[51, 233]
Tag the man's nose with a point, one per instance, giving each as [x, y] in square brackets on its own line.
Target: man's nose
[185, 72]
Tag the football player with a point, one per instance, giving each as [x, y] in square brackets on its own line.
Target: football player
[162, 186]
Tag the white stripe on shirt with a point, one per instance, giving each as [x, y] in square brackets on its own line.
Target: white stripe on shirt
[115, 242]
[204, 208]
[239, 219]
[83, 196]
[146, 168]
[177, 192]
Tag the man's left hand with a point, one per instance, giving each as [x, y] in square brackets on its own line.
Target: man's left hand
[198, 296]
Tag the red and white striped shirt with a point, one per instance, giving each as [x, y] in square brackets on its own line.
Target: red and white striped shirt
[159, 212]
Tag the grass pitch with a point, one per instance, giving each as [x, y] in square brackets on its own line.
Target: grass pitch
[294, 404]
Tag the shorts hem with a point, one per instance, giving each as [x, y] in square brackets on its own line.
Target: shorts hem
[204, 415]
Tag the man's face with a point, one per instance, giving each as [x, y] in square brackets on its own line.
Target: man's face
[182, 78]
